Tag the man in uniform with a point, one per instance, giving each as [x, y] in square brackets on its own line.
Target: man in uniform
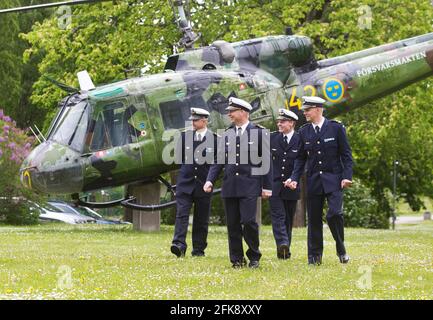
[285, 145]
[242, 183]
[326, 151]
[190, 180]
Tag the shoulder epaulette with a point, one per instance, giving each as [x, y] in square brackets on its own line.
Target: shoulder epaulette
[230, 127]
[260, 126]
[338, 122]
[304, 125]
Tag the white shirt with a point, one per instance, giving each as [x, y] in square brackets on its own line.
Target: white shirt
[320, 124]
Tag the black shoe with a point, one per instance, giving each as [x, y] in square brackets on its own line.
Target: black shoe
[197, 254]
[239, 264]
[344, 258]
[315, 260]
[177, 250]
[283, 252]
[254, 264]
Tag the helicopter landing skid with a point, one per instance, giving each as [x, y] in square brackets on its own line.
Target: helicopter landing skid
[130, 201]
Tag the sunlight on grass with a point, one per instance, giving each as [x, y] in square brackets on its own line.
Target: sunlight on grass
[114, 262]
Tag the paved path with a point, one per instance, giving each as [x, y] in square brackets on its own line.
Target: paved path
[409, 219]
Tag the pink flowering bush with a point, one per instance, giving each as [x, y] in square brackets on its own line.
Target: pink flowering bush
[15, 145]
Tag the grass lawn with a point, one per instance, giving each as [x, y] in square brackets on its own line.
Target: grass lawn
[403, 208]
[105, 262]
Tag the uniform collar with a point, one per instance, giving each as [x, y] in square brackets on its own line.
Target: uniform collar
[289, 135]
[244, 126]
[320, 124]
[202, 132]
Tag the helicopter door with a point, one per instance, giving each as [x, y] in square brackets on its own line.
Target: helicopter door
[113, 142]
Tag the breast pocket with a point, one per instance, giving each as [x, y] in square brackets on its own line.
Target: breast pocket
[330, 144]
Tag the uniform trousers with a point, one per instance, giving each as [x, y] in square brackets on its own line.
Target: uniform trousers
[334, 218]
[241, 223]
[282, 214]
[200, 221]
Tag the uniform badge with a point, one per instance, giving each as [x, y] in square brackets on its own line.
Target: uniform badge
[329, 139]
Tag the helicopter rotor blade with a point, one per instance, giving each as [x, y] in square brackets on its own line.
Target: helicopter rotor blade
[85, 81]
[61, 85]
[50, 5]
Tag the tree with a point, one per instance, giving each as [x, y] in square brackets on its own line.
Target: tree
[10, 57]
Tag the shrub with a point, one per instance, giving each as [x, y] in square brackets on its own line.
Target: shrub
[15, 145]
[361, 209]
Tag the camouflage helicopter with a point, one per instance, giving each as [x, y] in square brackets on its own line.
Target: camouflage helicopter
[115, 134]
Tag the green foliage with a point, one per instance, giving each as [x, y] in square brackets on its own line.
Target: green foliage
[14, 147]
[16, 76]
[362, 210]
[10, 57]
[398, 129]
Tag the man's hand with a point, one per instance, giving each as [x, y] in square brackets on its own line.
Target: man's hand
[293, 185]
[287, 183]
[266, 194]
[208, 187]
[345, 183]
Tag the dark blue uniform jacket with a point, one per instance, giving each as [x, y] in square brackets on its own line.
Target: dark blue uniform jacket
[328, 157]
[238, 180]
[283, 162]
[196, 158]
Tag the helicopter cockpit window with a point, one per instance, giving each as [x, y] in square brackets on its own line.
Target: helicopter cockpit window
[175, 113]
[72, 126]
[112, 127]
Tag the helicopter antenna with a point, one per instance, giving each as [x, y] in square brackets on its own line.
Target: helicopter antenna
[34, 133]
[49, 5]
[40, 133]
[184, 24]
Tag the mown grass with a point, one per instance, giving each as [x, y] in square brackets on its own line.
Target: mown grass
[106, 262]
[403, 209]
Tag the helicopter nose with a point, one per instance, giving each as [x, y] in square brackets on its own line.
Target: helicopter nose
[53, 168]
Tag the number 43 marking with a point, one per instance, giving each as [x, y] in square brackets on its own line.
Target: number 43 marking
[295, 101]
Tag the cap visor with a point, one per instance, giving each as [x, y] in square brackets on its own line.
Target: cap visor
[231, 108]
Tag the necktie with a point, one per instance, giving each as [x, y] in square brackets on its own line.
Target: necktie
[285, 139]
[317, 130]
[198, 137]
[238, 134]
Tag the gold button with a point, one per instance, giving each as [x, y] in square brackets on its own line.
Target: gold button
[237, 154]
[285, 152]
[284, 160]
[282, 174]
[195, 168]
[318, 152]
[195, 177]
[320, 162]
[320, 172]
[237, 145]
[318, 142]
[282, 168]
[237, 164]
[237, 173]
